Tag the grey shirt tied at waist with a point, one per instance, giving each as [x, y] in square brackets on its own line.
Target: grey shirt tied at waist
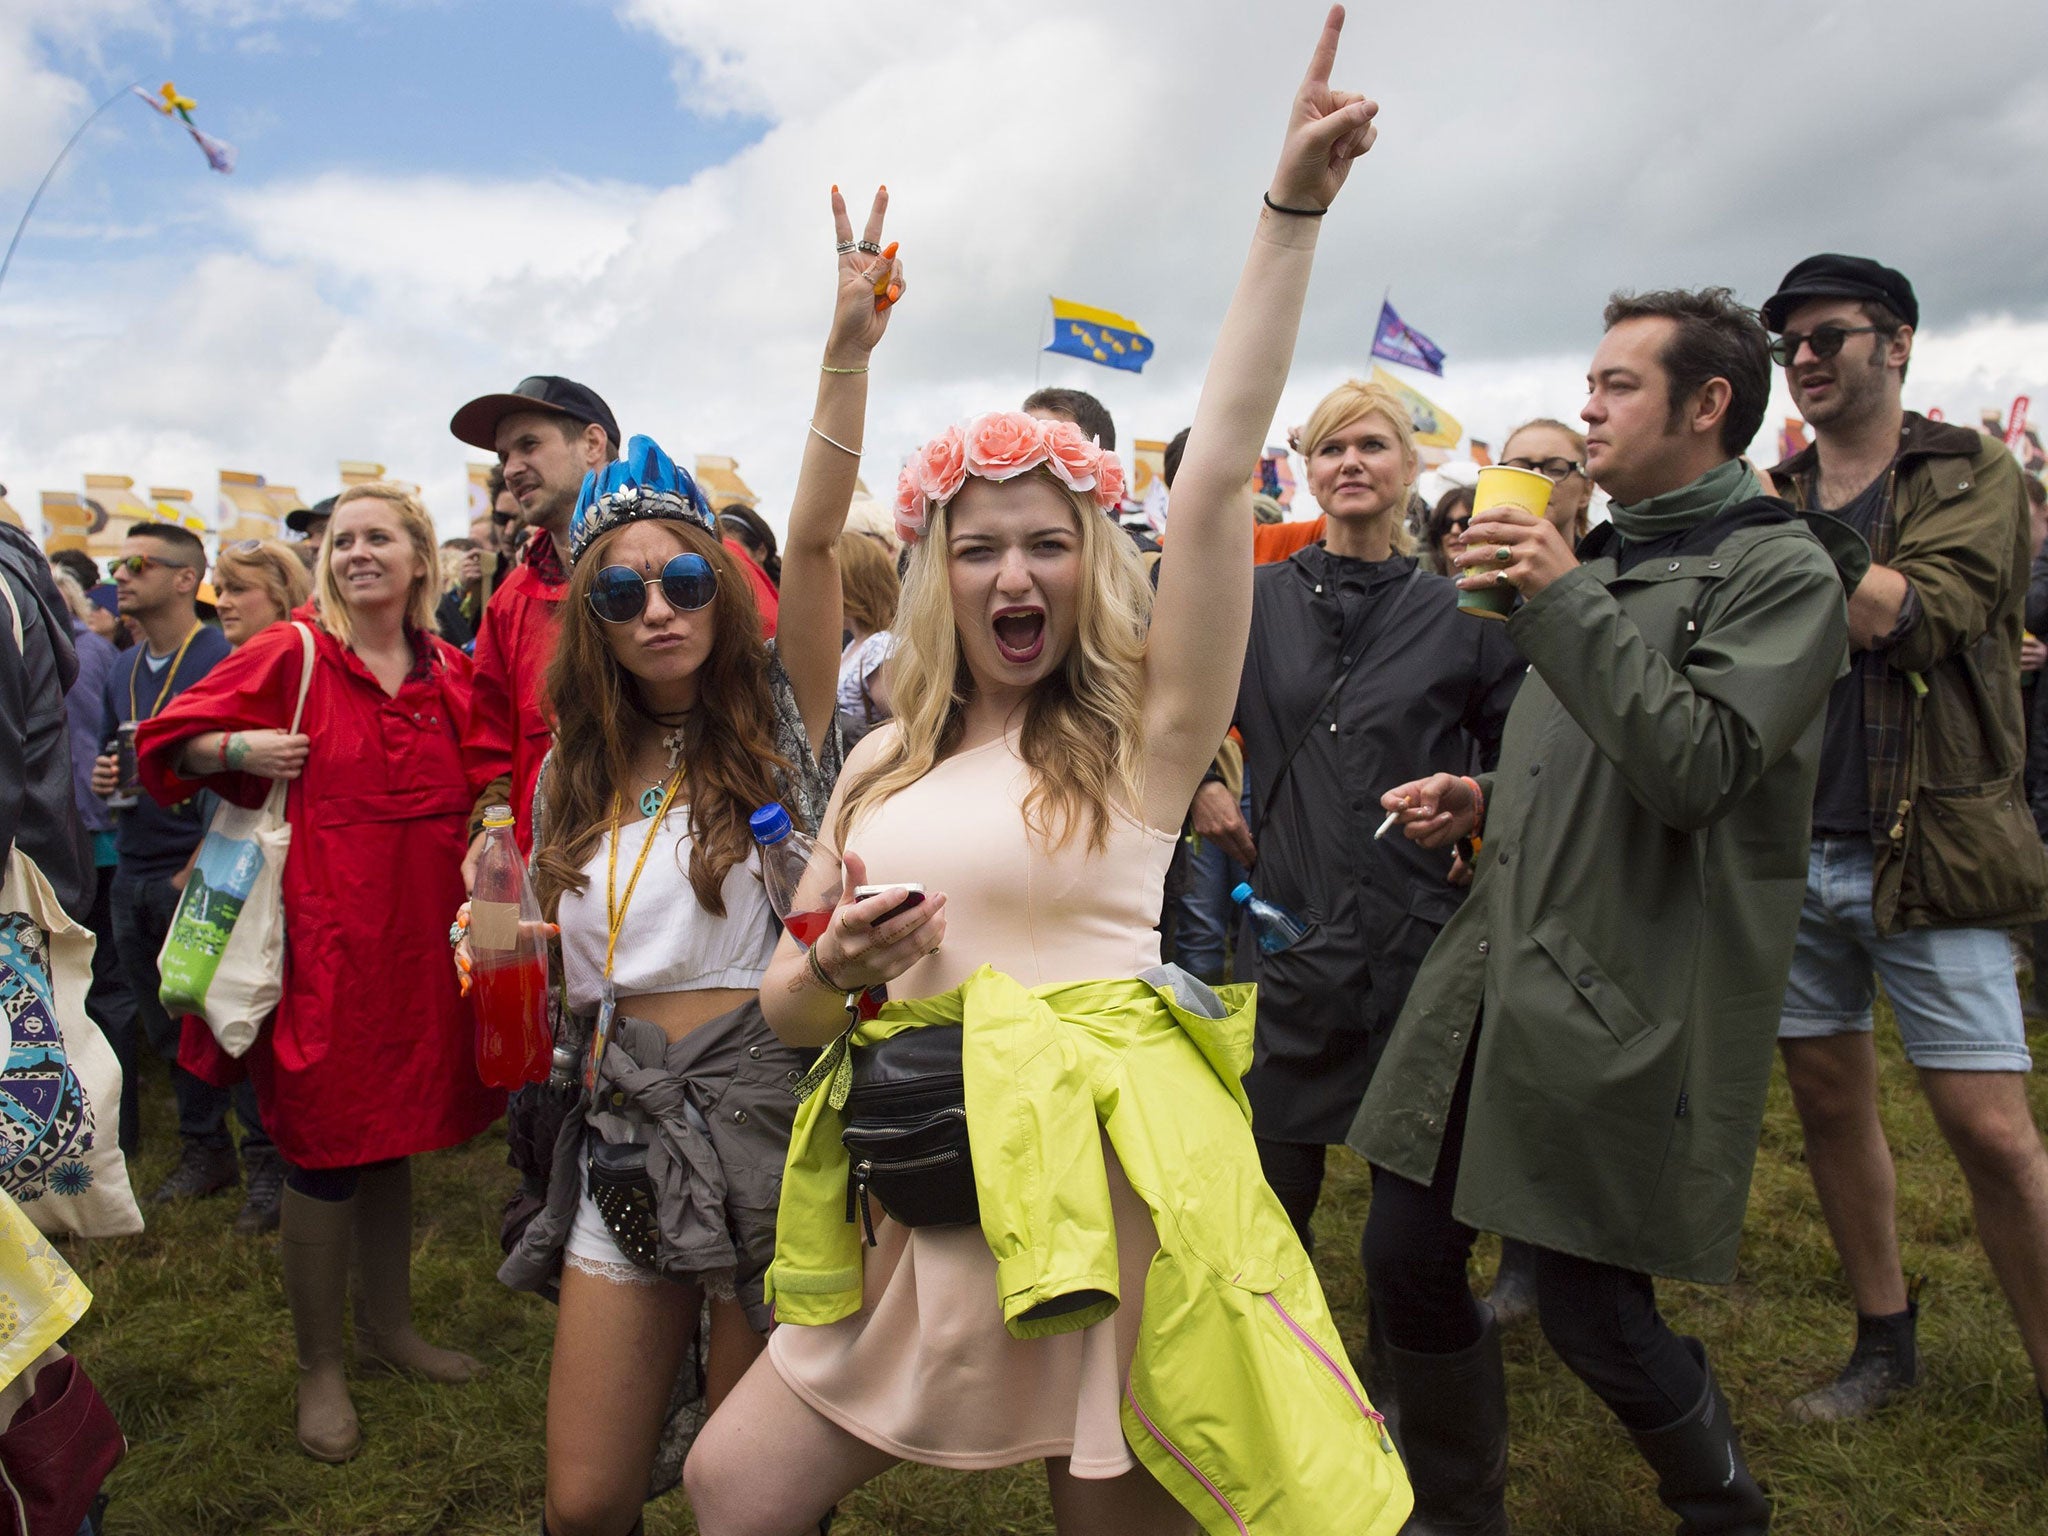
[714, 1111]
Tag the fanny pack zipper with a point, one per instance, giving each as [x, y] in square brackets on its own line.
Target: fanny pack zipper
[863, 1171]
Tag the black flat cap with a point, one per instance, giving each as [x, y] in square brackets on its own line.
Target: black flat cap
[1829, 276]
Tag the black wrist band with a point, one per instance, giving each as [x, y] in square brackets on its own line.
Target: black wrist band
[1300, 213]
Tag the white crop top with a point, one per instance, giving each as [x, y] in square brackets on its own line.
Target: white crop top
[669, 942]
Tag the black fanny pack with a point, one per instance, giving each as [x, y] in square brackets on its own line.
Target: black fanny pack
[906, 1132]
[623, 1192]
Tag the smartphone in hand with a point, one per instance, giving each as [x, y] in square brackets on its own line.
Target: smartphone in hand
[916, 897]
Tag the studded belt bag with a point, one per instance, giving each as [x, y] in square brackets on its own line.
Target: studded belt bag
[623, 1192]
[906, 1132]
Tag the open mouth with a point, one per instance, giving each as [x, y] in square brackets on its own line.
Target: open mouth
[1020, 633]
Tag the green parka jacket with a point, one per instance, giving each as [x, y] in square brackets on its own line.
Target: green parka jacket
[1630, 926]
[1955, 845]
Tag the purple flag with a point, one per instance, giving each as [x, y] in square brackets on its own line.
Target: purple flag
[1397, 342]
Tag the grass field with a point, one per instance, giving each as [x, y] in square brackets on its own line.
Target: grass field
[189, 1341]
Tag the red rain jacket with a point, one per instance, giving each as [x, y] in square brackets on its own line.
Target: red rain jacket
[509, 723]
[372, 1051]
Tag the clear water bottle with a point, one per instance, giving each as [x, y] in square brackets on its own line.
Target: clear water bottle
[785, 858]
[508, 943]
[1273, 926]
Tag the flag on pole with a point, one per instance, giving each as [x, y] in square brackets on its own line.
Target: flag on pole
[168, 103]
[1398, 342]
[1098, 336]
[1434, 426]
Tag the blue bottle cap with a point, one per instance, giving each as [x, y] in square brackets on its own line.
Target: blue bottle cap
[770, 824]
[1242, 893]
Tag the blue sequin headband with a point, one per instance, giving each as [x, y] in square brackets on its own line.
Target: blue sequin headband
[644, 483]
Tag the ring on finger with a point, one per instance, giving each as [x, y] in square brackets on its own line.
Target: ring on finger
[846, 247]
[867, 247]
[1502, 555]
[455, 935]
[1500, 579]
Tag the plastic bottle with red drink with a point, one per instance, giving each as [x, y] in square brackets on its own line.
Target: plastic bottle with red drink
[786, 855]
[508, 943]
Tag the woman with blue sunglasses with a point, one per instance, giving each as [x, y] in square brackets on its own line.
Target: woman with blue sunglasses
[674, 721]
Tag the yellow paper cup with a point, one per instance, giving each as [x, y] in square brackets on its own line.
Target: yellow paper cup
[1501, 486]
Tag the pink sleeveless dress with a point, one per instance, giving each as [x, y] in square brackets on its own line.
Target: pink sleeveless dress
[925, 1370]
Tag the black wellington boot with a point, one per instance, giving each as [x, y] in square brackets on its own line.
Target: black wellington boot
[1701, 1476]
[1454, 1437]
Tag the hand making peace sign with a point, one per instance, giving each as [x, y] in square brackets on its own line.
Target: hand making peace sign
[871, 281]
[1326, 131]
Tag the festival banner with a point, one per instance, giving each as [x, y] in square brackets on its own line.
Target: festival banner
[1434, 426]
[69, 520]
[1276, 477]
[174, 505]
[1397, 342]
[1098, 336]
[1148, 463]
[359, 472]
[115, 496]
[1482, 453]
[2016, 422]
[480, 490]
[718, 477]
[245, 511]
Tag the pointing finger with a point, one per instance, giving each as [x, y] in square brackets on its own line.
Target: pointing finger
[1325, 57]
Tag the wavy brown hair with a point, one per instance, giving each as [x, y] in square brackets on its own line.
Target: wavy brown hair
[729, 750]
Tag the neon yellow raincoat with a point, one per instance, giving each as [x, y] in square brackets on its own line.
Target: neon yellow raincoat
[1240, 1398]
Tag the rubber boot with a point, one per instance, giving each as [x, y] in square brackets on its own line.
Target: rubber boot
[385, 1339]
[1701, 1476]
[313, 1246]
[1885, 1362]
[1454, 1437]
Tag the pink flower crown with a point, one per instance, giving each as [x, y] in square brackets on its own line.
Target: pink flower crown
[1001, 446]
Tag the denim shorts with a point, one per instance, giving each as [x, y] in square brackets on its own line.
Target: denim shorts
[1952, 990]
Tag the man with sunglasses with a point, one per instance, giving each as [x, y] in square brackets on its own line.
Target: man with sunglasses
[1923, 846]
[548, 432]
[156, 582]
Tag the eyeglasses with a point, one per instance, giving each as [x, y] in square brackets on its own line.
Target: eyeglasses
[243, 547]
[1826, 341]
[135, 565]
[1552, 470]
[619, 594]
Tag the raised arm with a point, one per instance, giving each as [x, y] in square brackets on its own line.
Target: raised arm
[811, 620]
[1202, 615]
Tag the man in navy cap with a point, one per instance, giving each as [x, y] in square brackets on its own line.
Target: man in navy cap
[1923, 849]
[547, 433]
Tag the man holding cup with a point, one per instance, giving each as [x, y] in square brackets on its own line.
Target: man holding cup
[1581, 1064]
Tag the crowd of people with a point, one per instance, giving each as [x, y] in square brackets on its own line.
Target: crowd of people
[1000, 1161]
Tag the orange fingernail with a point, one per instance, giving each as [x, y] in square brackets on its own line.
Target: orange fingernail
[889, 251]
[835, 189]
[895, 292]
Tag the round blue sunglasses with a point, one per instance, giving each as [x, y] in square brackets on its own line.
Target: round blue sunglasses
[619, 594]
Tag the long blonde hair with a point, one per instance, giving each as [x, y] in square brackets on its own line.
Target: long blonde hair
[419, 532]
[268, 566]
[1083, 736]
[1345, 404]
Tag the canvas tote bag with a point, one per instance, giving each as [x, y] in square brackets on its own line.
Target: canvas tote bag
[60, 1085]
[224, 956]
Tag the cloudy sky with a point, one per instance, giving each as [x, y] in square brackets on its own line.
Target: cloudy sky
[437, 197]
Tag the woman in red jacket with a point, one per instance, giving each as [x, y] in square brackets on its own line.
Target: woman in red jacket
[369, 1058]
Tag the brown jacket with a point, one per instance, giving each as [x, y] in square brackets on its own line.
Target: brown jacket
[1955, 843]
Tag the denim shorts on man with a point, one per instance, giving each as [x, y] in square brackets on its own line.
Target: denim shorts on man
[1952, 989]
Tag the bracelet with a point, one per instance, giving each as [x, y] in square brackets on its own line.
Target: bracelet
[828, 368]
[835, 442]
[1300, 213]
[1478, 802]
[817, 969]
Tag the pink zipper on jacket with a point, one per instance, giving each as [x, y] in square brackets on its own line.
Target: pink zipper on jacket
[1192, 1470]
[1379, 1420]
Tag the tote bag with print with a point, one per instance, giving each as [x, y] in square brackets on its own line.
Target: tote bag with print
[60, 1084]
[223, 958]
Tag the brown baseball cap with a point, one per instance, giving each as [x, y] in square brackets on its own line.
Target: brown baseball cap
[477, 422]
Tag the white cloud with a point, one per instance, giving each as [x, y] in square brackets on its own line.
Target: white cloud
[1112, 154]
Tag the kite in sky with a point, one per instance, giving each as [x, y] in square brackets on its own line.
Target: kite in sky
[219, 155]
